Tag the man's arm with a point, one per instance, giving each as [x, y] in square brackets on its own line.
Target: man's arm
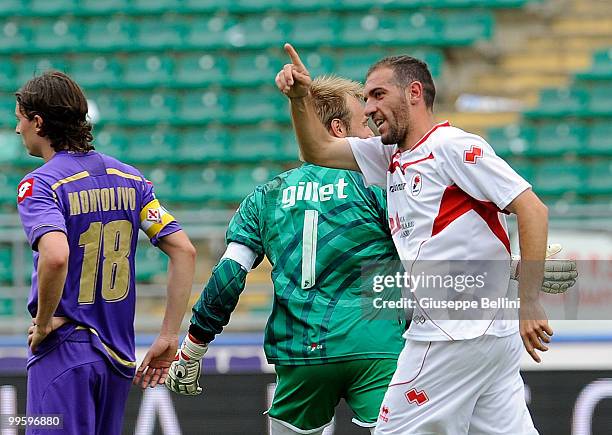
[316, 144]
[181, 269]
[53, 252]
[532, 217]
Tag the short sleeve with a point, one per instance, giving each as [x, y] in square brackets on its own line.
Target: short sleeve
[244, 228]
[470, 162]
[373, 159]
[155, 220]
[39, 210]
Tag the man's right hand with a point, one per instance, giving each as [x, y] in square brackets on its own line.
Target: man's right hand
[184, 374]
[294, 79]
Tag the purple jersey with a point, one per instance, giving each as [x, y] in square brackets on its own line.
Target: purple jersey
[99, 203]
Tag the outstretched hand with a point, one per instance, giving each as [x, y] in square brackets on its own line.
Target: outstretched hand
[294, 79]
[154, 368]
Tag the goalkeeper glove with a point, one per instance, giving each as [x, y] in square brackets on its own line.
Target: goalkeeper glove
[559, 275]
[184, 372]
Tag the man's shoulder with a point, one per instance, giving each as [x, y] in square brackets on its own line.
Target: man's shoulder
[115, 166]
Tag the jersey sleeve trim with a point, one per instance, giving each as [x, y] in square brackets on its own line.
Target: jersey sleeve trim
[75, 177]
[114, 171]
[41, 230]
[154, 218]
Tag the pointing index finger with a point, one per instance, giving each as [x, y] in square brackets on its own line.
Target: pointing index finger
[295, 58]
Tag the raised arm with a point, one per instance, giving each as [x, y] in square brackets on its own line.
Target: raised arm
[316, 144]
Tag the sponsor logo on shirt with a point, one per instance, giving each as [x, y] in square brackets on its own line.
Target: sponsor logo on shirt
[472, 155]
[400, 225]
[415, 396]
[416, 183]
[384, 413]
[397, 187]
[154, 215]
[25, 189]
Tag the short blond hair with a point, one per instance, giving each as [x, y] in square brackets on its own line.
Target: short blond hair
[329, 95]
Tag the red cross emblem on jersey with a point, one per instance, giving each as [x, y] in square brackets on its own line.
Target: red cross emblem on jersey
[471, 155]
[418, 397]
[25, 189]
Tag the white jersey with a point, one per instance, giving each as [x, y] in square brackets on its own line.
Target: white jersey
[445, 200]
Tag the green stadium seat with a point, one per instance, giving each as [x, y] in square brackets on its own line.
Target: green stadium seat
[204, 184]
[201, 145]
[165, 183]
[245, 180]
[96, 71]
[6, 269]
[601, 69]
[523, 167]
[57, 35]
[560, 102]
[242, 6]
[7, 110]
[152, 146]
[558, 138]
[106, 7]
[148, 70]
[513, 139]
[9, 7]
[467, 28]
[255, 144]
[155, 34]
[148, 7]
[11, 146]
[257, 32]
[112, 142]
[309, 5]
[53, 7]
[358, 5]
[317, 63]
[600, 138]
[9, 180]
[600, 98]
[151, 263]
[355, 64]
[200, 6]
[151, 108]
[201, 69]
[30, 67]
[204, 106]
[417, 28]
[599, 180]
[8, 75]
[259, 105]
[313, 30]
[290, 146]
[208, 32]
[108, 34]
[253, 69]
[558, 178]
[109, 107]
[359, 29]
[14, 37]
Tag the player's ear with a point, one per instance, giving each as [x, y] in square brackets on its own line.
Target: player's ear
[337, 128]
[414, 92]
[38, 123]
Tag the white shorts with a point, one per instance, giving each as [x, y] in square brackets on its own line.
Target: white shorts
[457, 387]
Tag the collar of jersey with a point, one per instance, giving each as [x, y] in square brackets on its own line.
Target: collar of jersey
[426, 136]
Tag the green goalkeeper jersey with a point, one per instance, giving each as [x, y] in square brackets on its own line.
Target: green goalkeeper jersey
[320, 228]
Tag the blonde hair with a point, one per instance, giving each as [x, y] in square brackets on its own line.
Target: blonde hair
[329, 95]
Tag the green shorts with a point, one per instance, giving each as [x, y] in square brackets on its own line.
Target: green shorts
[306, 396]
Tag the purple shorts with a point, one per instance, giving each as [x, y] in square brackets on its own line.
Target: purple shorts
[76, 381]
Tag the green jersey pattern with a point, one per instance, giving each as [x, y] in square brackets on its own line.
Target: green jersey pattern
[319, 227]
